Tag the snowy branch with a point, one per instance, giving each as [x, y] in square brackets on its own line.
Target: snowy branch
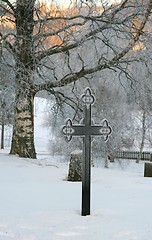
[7, 43]
[54, 33]
[9, 4]
[72, 77]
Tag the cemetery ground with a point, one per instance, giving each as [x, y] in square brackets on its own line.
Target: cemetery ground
[37, 203]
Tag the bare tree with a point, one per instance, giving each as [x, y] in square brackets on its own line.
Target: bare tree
[53, 48]
[6, 97]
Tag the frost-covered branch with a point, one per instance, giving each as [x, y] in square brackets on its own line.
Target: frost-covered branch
[62, 30]
[9, 4]
[72, 77]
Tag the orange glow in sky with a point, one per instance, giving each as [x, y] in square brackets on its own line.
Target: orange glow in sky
[67, 3]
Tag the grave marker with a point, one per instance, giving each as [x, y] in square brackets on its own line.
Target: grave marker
[86, 130]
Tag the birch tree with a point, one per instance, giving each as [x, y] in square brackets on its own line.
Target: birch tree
[6, 97]
[51, 50]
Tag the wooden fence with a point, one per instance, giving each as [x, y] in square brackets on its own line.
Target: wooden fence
[133, 155]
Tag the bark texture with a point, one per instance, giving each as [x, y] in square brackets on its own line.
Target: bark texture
[23, 131]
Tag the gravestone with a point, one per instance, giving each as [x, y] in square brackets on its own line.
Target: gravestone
[75, 166]
[148, 169]
[111, 158]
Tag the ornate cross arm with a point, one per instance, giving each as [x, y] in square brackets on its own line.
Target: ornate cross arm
[105, 130]
[70, 130]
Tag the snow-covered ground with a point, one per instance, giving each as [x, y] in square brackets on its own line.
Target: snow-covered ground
[37, 203]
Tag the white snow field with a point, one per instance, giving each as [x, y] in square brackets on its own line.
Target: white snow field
[37, 203]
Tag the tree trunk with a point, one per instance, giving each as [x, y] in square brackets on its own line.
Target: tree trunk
[143, 136]
[23, 131]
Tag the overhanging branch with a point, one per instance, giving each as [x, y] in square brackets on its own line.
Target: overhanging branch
[7, 43]
[55, 33]
[9, 4]
[64, 48]
[107, 24]
[72, 77]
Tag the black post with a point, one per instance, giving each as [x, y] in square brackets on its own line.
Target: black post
[86, 176]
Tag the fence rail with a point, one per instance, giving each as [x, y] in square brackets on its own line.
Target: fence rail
[133, 155]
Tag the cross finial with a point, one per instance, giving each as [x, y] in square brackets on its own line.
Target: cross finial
[88, 98]
[68, 130]
[105, 130]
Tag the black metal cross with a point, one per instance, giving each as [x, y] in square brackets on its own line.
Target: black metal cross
[86, 130]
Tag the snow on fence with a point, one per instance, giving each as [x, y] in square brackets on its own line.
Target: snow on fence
[132, 155]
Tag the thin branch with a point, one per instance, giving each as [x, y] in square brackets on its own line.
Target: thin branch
[72, 77]
[58, 31]
[3, 38]
[44, 20]
[60, 49]
[6, 10]
[107, 24]
[9, 4]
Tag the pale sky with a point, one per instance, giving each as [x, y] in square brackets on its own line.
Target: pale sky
[66, 3]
